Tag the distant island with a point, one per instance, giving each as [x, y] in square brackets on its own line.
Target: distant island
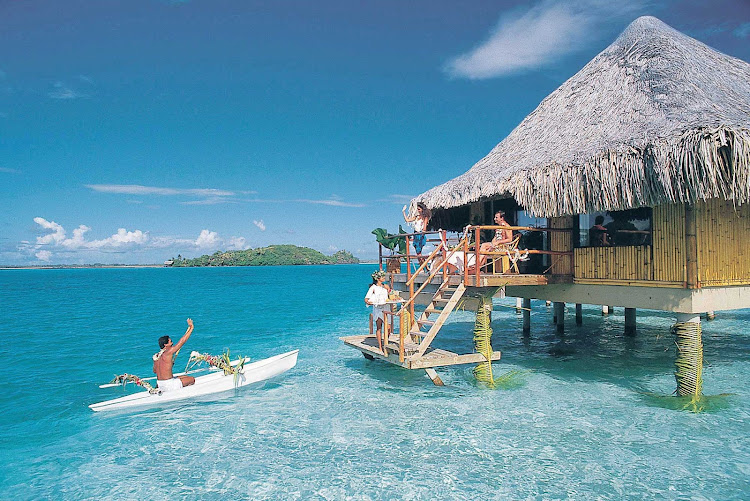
[273, 255]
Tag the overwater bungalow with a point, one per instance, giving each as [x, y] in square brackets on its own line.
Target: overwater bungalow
[628, 186]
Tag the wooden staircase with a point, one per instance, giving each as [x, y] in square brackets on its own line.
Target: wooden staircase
[434, 316]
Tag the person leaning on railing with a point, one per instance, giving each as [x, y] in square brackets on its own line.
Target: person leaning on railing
[419, 223]
[502, 237]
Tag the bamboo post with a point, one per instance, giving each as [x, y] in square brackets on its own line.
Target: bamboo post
[579, 314]
[526, 316]
[630, 316]
[380, 256]
[691, 248]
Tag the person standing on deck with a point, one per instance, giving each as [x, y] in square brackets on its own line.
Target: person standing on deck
[376, 297]
[164, 360]
[419, 223]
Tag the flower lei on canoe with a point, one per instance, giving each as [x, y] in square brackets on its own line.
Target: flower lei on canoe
[124, 379]
[222, 362]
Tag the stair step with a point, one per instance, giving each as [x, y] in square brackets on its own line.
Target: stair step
[440, 300]
[432, 310]
[425, 322]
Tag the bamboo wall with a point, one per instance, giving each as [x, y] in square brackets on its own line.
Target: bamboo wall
[723, 250]
[668, 239]
[629, 264]
[561, 241]
[723, 238]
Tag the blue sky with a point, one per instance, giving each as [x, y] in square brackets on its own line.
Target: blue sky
[133, 131]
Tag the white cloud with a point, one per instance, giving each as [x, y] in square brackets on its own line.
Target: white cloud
[120, 239]
[62, 91]
[332, 202]
[207, 239]
[531, 38]
[260, 225]
[137, 189]
[237, 243]
[742, 31]
[56, 241]
[43, 255]
[57, 235]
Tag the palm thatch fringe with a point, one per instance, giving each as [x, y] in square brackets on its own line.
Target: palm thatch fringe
[698, 165]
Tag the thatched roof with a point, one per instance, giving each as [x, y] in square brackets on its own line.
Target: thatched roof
[656, 117]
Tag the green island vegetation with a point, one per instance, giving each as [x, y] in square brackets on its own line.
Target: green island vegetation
[273, 255]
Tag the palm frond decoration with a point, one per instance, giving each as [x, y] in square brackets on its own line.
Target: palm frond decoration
[483, 340]
[689, 361]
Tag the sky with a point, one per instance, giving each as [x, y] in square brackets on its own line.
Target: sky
[135, 131]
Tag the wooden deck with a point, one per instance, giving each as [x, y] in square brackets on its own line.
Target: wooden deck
[433, 357]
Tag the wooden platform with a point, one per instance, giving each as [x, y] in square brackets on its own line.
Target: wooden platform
[486, 279]
[368, 345]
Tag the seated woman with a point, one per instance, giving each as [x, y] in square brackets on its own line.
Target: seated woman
[499, 241]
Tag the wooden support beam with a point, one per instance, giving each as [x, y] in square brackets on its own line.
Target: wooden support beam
[526, 316]
[560, 316]
[630, 316]
[434, 377]
[579, 314]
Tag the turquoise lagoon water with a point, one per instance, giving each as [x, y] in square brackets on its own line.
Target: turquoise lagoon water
[580, 426]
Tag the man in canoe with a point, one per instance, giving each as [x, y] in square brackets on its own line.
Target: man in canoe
[164, 360]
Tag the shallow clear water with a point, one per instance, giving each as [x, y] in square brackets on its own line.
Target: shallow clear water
[583, 423]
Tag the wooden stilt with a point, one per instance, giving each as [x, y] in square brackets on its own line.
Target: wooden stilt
[579, 314]
[434, 377]
[630, 315]
[526, 316]
[605, 309]
[519, 305]
[560, 316]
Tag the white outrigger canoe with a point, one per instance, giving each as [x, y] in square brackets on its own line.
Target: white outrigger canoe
[215, 382]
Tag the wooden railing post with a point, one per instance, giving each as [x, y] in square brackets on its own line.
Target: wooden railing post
[466, 259]
[408, 259]
[380, 256]
[444, 245]
[476, 256]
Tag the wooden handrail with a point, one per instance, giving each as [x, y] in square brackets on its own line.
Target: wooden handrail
[424, 263]
[431, 276]
[519, 228]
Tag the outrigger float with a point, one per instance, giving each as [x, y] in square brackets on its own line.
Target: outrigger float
[216, 382]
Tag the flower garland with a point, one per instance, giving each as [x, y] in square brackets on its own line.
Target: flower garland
[132, 378]
[222, 362]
